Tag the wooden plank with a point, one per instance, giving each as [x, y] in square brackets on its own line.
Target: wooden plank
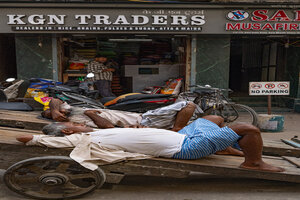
[293, 160]
[134, 169]
[8, 135]
[221, 165]
[26, 120]
[113, 177]
[278, 148]
[20, 113]
[16, 131]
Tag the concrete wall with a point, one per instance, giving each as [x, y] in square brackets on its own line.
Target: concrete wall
[212, 61]
[141, 81]
[34, 57]
[292, 74]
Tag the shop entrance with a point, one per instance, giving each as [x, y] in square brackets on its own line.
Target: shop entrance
[255, 59]
[140, 61]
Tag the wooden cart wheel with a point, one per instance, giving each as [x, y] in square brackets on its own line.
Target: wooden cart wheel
[52, 177]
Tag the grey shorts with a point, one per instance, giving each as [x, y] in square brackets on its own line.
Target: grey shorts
[163, 117]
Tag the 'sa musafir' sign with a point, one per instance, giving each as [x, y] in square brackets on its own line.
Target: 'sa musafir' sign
[269, 88]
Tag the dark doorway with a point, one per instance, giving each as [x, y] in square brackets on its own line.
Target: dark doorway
[255, 59]
[8, 68]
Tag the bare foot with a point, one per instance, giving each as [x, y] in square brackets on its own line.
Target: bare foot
[230, 151]
[261, 166]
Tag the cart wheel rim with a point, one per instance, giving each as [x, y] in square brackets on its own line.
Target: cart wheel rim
[52, 177]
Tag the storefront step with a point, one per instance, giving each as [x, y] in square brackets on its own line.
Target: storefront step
[297, 107]
[252, 99]
[262, 104]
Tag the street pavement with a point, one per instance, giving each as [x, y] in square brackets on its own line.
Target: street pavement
[198, 186]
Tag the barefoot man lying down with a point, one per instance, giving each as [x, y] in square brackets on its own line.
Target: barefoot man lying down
[199, 139]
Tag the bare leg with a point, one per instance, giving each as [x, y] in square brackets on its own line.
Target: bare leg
[251, 143]
[220, 122]
[230, 151]
[183, 116]
[215, 119]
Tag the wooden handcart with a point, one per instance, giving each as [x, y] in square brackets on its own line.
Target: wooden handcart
[45, 173]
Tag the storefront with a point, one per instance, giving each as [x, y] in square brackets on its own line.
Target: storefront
[221, 45]
[147, 46]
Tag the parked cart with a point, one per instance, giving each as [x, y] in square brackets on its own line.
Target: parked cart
[45, 173]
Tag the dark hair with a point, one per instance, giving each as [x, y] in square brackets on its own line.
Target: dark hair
[43, 114]
[54, 129]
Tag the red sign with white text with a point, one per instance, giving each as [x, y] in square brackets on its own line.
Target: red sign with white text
[263, 20]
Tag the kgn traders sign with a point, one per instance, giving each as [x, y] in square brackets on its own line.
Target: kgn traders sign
[137, 20]
[106, 21]
[269, 88]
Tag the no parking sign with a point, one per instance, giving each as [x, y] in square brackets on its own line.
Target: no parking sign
[269, 88]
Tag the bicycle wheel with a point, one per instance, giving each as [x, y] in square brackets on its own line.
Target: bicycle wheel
[238, 113]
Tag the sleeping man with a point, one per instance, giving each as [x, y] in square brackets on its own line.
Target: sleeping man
[199, 139]
[174, 116]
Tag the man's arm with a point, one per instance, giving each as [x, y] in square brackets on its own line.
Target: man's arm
[24, 138]
[50, 141]
[99, 121]
[55, 110]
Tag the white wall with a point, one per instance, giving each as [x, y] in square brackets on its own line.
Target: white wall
[140, 81]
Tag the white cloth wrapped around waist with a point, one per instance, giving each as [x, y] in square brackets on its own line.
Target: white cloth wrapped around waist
[113, 145]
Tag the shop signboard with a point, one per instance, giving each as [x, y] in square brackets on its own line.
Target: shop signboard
[269, 88]
[102, 20]
[262, 21]
[193, 20]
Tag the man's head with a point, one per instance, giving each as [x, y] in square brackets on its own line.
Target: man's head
[100, 58]
[64, 113]
[65, 128]
[46, 114]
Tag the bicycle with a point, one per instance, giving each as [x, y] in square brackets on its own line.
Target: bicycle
[213, 101]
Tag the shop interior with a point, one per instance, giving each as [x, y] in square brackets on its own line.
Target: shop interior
[140, 61]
